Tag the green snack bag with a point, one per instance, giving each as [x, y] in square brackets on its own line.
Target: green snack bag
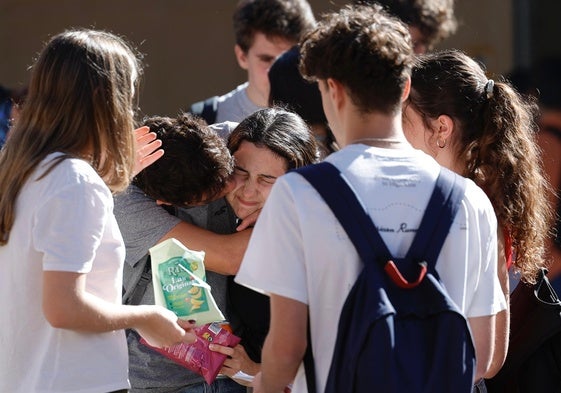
[182, 293]
[178, 276]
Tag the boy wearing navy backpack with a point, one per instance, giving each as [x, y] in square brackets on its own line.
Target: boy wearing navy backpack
[301, 255]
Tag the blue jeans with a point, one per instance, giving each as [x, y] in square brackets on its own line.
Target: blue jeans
[220, 385]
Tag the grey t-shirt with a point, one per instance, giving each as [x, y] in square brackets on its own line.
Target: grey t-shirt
[143, 223]
[235, 105]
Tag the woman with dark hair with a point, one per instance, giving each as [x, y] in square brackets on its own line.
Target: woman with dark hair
[485, 131]
[265, 145]
[61, 251]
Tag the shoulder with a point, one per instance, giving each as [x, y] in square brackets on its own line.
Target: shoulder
[197, 215]
[476, 199]
[142, 222]
[71, 168]
[70, 174]
[224, 129]
[292, 194]
[131, 195]
[477, 214]
[239, 90]
[133, 202]
[235, 106]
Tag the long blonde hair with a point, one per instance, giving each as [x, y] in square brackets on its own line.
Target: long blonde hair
[80, 103]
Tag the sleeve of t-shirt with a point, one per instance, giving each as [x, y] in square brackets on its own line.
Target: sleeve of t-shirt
[274, 261]
[474, 284]
[141, 221]
[69, 226]
[485, 296]
[224, 129]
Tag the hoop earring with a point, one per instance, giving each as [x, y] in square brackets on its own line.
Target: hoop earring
[443, 143]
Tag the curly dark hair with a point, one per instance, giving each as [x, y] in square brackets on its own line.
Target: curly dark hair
[286, 19]
[196, 164]
[366, 50]
[434, 18]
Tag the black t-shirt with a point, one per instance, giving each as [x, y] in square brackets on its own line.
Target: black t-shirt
[250, 312]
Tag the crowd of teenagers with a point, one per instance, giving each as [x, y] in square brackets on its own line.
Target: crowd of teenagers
[87, 189]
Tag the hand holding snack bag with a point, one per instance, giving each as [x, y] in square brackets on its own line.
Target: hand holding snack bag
[197, 357]
[179, 279]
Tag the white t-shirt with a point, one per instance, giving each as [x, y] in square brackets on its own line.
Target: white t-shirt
[63, 222]
[299, 250]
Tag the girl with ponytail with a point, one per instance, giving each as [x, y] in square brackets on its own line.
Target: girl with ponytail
[484, 130]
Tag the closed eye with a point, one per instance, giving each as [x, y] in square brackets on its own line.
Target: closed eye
[267, 179]
[240, 173]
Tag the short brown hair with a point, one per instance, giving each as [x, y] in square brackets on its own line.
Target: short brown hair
[196, 164]
[286, 19]
[366, 50]
[434, 18]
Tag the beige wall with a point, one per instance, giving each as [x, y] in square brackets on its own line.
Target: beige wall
[188, 44]
[485, 32]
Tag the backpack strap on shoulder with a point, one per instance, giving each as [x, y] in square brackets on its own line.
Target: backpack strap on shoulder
[435, 225]
[136, 292]
[439, 215]
[207, 109]
[338, 195]
[135, 287]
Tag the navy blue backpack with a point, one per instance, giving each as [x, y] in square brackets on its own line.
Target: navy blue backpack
[399, 331]
[207, 109]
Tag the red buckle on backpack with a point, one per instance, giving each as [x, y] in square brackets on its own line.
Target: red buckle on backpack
[392, 271]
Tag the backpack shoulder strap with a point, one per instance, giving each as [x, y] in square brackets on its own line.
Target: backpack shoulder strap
[341, 199]
[431, 234]
[135, 288]
[207, 109]
[441, 210]
[136, 292]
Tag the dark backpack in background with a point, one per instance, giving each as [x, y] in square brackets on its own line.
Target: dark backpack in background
[135, 287]
[207, 109]
[533, 361]
[134, 290]
[399, 331]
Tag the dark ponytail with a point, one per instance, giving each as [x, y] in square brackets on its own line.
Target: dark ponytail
[496, 141]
